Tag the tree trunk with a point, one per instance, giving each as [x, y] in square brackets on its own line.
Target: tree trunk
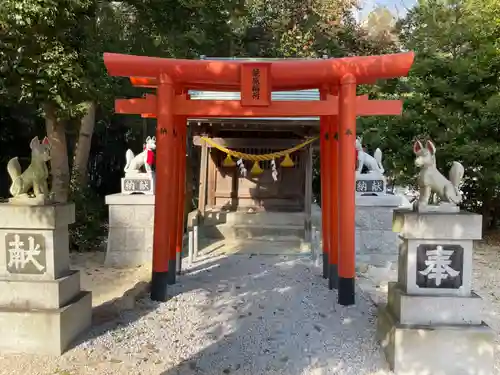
[56, 133]
[82, 148]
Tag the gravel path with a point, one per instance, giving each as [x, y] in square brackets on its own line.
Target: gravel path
[241, 314]
[486, 283]
[229, 315]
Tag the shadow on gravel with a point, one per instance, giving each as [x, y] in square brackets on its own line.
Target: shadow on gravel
[110, 315]
[130, 307]
[262, 314]
[277, 317]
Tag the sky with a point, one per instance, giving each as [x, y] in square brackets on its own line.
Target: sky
[397, 7]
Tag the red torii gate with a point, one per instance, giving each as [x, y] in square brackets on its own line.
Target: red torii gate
[337, 80]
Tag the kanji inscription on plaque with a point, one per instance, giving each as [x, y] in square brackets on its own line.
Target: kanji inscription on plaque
[255, 80]
[137, 185]
[25, 253]
[369, 186]
[440, 266]
[256, 83]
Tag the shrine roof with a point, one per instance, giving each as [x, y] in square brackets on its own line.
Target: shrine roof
[298, 95]
[311, 94]
[286, 74]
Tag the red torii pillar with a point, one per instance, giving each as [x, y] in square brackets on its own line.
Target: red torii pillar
[175, 194]
[169, 206]
[165, 167]
[179, 193]
[333, 210]
[325, 171]
[329, 192]
[346, 185]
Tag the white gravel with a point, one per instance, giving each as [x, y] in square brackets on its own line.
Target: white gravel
[229, 315]
[243, 314]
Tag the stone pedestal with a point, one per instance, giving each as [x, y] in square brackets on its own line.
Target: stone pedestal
[376, 243]
[131, 224]
[42, 308]
[431, 323]
[138, 183]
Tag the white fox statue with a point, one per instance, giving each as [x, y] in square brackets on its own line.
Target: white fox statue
[34, 177]
[373, 163]
[430, 180]
[134, 163]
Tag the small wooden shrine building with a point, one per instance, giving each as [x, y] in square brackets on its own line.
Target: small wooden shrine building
[223, 187]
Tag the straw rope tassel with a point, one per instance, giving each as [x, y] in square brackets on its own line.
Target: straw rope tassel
[256, 169]
[287, 162]
[268, 157]
[228, 161]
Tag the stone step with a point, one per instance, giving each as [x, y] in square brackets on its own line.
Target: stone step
[260, 232]
[260, 247]
[215, 217]
[254, 247]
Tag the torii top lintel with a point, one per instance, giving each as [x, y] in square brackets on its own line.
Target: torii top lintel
[286, 74]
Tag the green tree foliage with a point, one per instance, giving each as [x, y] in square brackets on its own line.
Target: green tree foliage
[186, 28]
[41, 50]
[51, 53]
[51, 65]
[452, 96]
[277, 28]
[380, 24]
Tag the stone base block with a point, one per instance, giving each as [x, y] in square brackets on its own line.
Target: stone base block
[130, 236]
[40, 294]
[436, 350]
[376, 244]
[49, 248]
[129, 200]
[44, 331]
[25, 200]
[414, 278]
[437, 225]
[376, 241]
[432, 310]
[36, 217]
[34, 241]
[442, 207]
[385, 200]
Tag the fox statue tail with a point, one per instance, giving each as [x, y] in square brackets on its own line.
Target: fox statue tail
[456, 176]
[14, 171]
[129, 156]
[377, 155]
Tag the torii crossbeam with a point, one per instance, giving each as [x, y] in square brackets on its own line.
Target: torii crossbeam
[233, 108]
[338, 108]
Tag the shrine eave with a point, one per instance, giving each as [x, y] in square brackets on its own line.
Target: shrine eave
[285, 74]
[311, 121]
